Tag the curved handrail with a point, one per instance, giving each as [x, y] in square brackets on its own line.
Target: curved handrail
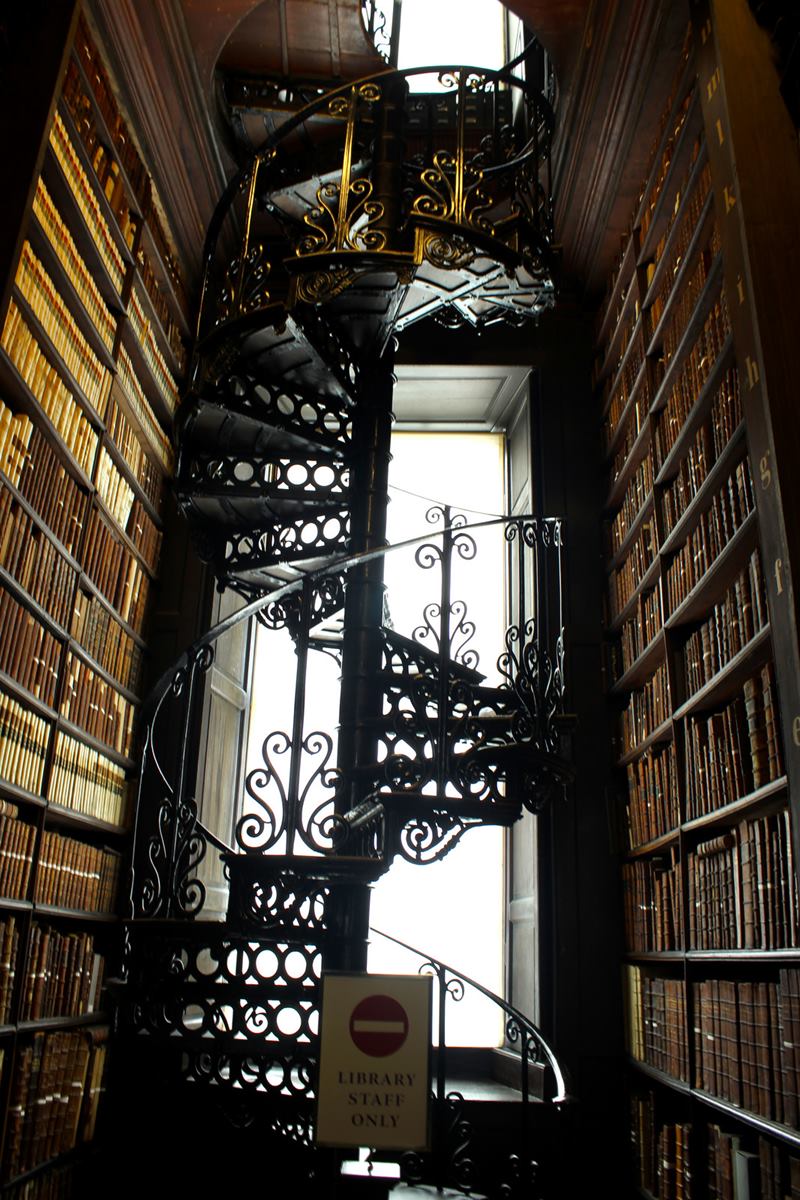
[176, 842]
[269, 145]
[151, 703]
[524, 1023]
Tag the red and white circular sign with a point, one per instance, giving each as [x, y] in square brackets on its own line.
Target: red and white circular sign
[378, 1025]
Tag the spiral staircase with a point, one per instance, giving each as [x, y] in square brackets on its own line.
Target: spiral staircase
[365, 210]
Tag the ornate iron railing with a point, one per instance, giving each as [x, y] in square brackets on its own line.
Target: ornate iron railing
[382, 25]
[456, 1146]
[366, 179]
[452, 752]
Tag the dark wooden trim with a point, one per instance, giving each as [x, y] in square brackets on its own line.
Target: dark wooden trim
[36, 36]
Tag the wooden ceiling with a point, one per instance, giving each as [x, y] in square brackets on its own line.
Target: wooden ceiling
[614, 61]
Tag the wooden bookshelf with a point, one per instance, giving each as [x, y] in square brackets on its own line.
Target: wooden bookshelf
[91, 355]
[709, 881]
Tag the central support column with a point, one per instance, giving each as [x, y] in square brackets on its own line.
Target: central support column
[361, 698]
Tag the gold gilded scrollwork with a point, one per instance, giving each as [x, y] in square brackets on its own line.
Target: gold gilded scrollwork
[343, 227]
[244, 287]
[452, 192]
[448, 252]
[321, 286]
[341, 106]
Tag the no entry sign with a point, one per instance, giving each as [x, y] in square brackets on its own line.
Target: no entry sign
[378, 1025]
[374, 1077]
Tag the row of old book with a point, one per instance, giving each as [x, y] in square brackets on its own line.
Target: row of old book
[104, 97]
[85, 781]
[52, 313]
[83, 194]
[82, 778]
[742, 893]
[96, 706]
[663, 174]
[736, 750]
[745, 1037]
[148, 342]
[729, 754]
[646, 711]
[678, 248]
[733, 622]
[31, 465]
[69, 873]
[691, 378]
[729, 509]
[63, 975]
[636, 633]
[128, 444]
[29, 652]
[655, 1017]
[74, 875]
[734, 1166]
[32, 559]
[736, 1173]
[635, 420]
[46, 384]
[28, 459]
[106, 167]
[142, 410]
[115, 571]
[662, 1151]
[106, 641]
[747, 1044]
[633, 354]
[637, 493]
[706, 447]
[652, 903]
[55, 1091]
[24, 737]
[111, 180]
[52, 492]
[742, 888]
[79, 275]
[113, 489]
[144, 534]
[653, 800]
[629, 574]
[691, 290]
[102, 158]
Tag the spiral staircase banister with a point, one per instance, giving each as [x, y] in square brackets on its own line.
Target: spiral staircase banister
[325, 105]
[337, 566]
[508, 733]
[561, 1094]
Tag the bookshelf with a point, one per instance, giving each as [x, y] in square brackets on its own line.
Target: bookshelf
[696, 679]
[91, 355]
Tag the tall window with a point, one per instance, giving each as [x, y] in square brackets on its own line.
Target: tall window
[476, 33]
[452, 909]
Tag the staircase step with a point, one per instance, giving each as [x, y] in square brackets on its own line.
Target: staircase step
[432, 658]
[283, 353]
[221, 428]
[234, 510]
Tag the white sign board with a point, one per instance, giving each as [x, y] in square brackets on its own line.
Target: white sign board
[374, 1074]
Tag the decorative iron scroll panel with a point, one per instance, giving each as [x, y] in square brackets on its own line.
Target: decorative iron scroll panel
[452, 751]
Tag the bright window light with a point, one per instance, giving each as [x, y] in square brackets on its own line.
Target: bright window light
[450, 32]
[452, 909]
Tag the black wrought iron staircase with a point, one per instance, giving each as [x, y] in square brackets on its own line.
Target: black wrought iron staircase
[363, 212]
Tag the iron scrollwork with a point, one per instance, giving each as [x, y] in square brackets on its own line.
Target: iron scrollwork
[283, 809]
